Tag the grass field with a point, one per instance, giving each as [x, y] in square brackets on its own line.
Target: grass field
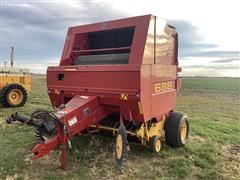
[213, 152]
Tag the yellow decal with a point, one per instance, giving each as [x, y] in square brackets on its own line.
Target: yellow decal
[164, 86]
[124, 96]
[56, 91]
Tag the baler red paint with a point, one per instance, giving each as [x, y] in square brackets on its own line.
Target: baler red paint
[86, 109]
[119, 76]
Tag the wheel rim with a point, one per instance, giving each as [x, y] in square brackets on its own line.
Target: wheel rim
[15, 96]
[119, 146]
[184, 132]
[157, 145]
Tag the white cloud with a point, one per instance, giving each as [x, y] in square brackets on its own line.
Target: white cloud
[206, 28]
[216, 20]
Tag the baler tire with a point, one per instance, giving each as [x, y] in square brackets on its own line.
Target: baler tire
[175, 124]
[5, 92]
[155, 144]
[122, 139]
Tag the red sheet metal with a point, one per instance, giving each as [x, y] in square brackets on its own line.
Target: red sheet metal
[149, 80]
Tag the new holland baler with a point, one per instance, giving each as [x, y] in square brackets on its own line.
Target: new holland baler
[119, 76]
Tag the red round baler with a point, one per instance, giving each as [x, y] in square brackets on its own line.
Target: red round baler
[118, 77]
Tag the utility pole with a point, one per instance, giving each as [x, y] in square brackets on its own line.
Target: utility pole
[12, 57]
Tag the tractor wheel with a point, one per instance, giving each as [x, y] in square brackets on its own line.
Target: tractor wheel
[13, 95]
[177, 129]
[155, 144]
[121, 147]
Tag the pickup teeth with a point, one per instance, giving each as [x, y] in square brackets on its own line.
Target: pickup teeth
[38, 134]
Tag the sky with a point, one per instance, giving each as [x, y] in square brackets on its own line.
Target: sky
[209, 30]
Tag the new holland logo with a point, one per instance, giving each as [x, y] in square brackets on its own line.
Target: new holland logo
[124, 97]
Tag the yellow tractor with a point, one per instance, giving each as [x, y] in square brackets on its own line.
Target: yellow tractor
[15, 84]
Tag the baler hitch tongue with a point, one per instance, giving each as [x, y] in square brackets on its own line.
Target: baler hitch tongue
[46, 123]
[16, 117]
[44, 147]
[48, 131]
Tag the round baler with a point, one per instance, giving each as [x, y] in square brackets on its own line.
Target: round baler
[118, 77]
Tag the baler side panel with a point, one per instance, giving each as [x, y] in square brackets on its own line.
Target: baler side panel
[158, 89]
[163, 89]
[163, 103]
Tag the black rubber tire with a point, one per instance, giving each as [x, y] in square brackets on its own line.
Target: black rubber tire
[122, 160]
[6, 90]
[153, 142]
[172, 129]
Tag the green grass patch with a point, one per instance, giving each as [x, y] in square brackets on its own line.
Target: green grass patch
[212, 105]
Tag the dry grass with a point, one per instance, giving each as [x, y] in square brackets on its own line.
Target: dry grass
[212, 153]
